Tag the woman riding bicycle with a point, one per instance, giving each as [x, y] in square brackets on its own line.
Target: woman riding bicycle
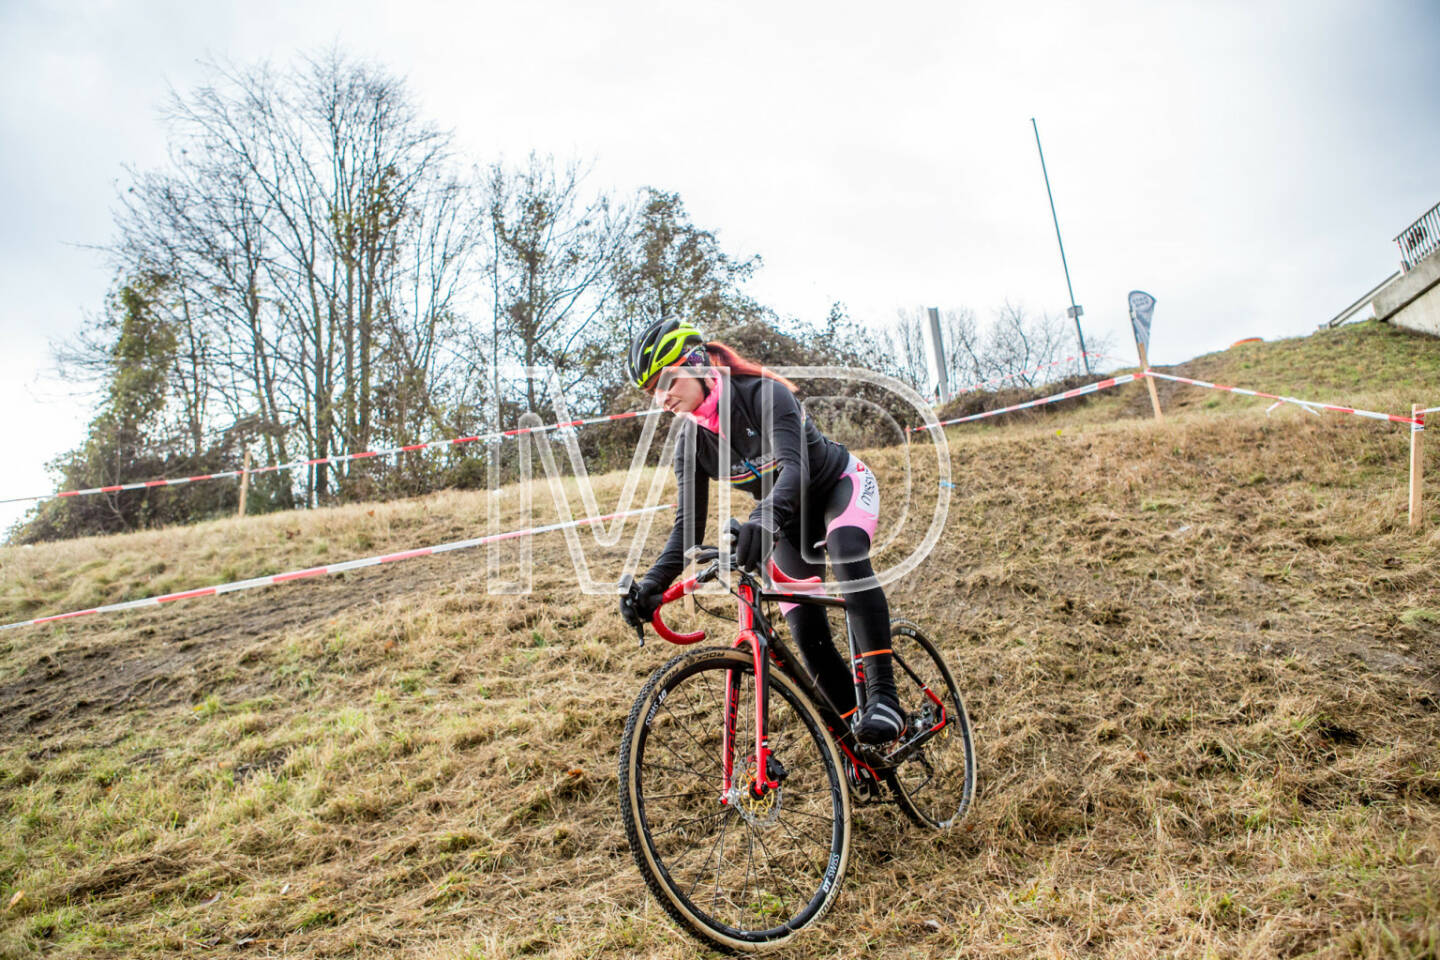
[811, 492]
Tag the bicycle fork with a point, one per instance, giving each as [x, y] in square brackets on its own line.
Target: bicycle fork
[762, 782]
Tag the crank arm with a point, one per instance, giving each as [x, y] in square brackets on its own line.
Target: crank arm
[912, 745]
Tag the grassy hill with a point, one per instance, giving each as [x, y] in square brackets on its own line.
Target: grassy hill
[1203, 661]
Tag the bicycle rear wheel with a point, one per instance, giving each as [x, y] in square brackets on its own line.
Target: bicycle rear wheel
[935, 784]
[739, 873]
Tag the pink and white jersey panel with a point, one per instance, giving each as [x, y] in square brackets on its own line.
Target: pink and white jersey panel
[863, 511]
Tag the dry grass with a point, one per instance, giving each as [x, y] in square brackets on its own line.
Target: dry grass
[1203, 662]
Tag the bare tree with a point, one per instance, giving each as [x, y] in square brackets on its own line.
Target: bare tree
[962, 347]
[1026, 349]
[200, 225]
[426, 378]
[552, 248]
[1015, 349]
[317, 244]
[907, 343]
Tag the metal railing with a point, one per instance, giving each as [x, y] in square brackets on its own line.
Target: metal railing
[1364, 301]
[1420, 239]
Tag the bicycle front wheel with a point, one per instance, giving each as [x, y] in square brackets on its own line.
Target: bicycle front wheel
[935, 782]
[740, 873]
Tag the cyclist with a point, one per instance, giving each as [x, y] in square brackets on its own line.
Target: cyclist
[811, 491]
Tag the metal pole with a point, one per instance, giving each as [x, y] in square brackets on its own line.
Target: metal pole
[937, 341]
[1075, 311]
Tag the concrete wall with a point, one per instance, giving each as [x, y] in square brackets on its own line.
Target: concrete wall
[1413, 300]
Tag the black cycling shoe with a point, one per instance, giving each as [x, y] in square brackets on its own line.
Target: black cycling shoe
[880, 722]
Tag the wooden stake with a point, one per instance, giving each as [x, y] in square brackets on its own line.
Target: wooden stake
[1417, 470]
[244, 482]
[1150, 382]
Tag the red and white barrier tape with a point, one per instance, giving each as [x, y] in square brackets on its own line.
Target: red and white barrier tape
[1308, 404]
[331, 569]
[1022, 373]
[364, 455]
[1430, 410]
[1068, 394]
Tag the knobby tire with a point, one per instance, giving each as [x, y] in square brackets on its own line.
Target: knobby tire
[746, 880]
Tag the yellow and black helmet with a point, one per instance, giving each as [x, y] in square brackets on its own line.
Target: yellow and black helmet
[658, 346]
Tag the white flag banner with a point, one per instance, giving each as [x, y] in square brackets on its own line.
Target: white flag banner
[1142, 309]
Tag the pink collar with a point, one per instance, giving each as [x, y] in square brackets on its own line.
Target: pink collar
[708, 413]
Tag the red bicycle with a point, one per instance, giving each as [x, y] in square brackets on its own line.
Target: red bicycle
[737, 772]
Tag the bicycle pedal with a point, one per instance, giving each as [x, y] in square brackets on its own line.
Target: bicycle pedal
[871, 753]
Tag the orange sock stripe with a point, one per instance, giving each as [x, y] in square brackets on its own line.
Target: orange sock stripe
[848, 712]
[876, 653]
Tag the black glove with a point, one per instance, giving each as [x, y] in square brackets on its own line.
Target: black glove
[639, 605]
[752, 544]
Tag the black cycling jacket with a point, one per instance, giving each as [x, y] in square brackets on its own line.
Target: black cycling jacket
[776, 453]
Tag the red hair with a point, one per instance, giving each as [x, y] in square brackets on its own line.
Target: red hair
[725, 356]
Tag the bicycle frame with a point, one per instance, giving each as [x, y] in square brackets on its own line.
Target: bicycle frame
[766, 647]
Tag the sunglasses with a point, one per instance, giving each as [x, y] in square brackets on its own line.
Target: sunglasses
[665, 379]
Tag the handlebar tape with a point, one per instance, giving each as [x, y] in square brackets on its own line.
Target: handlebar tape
[674, 592]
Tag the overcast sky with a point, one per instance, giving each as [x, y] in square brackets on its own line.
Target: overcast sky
[1246, 163]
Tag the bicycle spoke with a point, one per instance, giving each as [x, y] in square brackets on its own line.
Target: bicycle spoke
[683, 759]
[704, 817]
[796, 767]
[720, 860]
[716, 690]
[812, 816]
[792, 793]
[650, 765]
[688, 732]
[787, 879]
[790, 831]
[726, 896]
[689, 893]
[797, 865]
[749, 869]
[652, 797]
[675, 866]
[697, 710]
[800, 861]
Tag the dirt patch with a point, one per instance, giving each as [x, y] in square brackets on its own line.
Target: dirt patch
[179, 654]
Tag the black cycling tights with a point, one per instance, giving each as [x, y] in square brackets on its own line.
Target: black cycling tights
[867, 612]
